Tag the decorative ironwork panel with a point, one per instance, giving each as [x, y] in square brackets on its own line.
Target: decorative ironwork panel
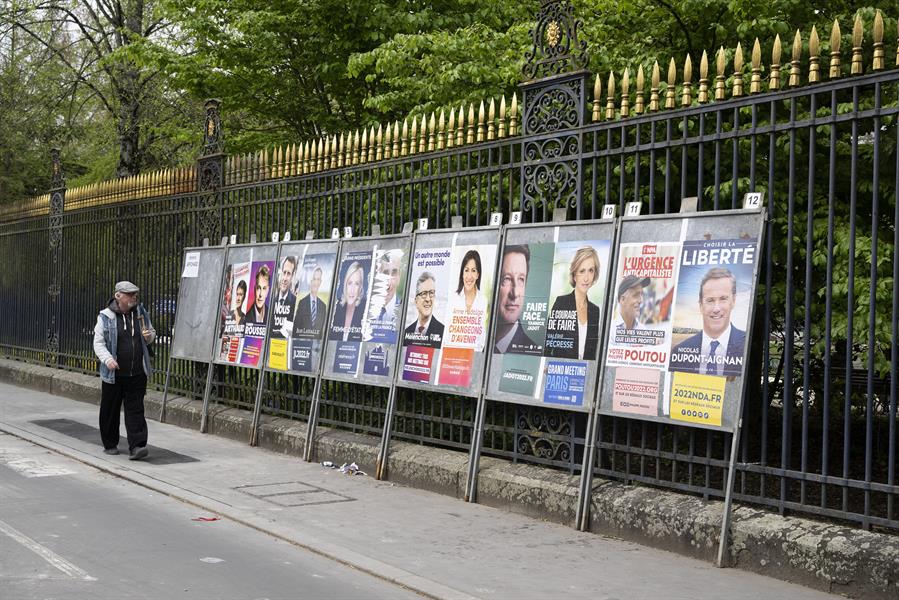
[556, 48]
[545, 434]
[57, 206]
[551, 167]
[213, 140]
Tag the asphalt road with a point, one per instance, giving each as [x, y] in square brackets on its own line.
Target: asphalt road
[70, 531]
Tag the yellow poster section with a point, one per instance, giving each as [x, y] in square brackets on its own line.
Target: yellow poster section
[697, 398]
[277, 355]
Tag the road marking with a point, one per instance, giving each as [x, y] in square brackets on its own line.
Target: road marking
[30, 467]
[51, 557]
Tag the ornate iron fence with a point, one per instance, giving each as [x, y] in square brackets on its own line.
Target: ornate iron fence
[820, 420]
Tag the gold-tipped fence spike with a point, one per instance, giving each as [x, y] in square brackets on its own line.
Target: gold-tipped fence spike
[738, 72]
[669, 88]
[502, 117]
[814, 73]
[774, 77]
[388, 141]
[359, 148]
[341, 150]
[702, 95]
[432, 128]
[460, 127]
[404, 149]
[491, 118]
[422, 137]
[755, 82]
[320, 160]
[482, 116]
[372, 144]
[597, 87]
[625, 93]
[413, 136]
[469, 131]
[610, 98]
[396, 139]
[441, 130]
[719, 74]
[878, 61]
[794, 63]
[654, 88]
[638, 102]
[835, 39]
[451, 129]
[513, 114]
[687, 92]
[858, 34]
[379, 142]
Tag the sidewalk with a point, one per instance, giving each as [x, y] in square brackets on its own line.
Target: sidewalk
[436, 545]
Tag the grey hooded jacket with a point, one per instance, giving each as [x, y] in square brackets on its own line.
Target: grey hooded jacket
[105, 338]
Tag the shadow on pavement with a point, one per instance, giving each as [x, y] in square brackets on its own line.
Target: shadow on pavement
[91, 435]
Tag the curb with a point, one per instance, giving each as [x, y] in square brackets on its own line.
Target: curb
[819, 555]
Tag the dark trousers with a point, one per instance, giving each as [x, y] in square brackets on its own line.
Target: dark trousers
[128, 392]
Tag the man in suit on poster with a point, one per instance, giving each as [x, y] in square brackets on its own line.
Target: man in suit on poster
[513, 278]
[311, 311]
[425, 330]
[718, 348]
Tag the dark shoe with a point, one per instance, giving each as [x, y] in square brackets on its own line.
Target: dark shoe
[138, 453]
[111, 451]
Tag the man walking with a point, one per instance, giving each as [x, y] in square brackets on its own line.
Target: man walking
[121, 336]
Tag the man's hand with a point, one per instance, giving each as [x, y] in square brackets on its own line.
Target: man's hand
[111, 364]
[146, 334]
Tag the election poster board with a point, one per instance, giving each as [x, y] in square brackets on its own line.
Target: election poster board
[196, 318]
[364, 328]
[247, 286]
[446, 321]
[550, 304]
[301, 301]
[677, 342]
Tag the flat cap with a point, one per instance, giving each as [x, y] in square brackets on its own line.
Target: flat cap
[126, 287]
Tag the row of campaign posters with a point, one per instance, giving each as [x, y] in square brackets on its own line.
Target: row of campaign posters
[675, 336]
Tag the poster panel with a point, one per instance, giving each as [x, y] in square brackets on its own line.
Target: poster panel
[551, 296]
[364, 326]
[244, 307]
[446, 321]
[684, 291]
[300, 304]
[196, 317]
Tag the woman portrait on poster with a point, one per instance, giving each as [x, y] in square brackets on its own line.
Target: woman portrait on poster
[584, 333]
[347, 323]
[468, 298]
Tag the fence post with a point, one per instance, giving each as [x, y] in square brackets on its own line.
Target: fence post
[554, 100]
[57, 206]
[211, 174]
[210, 180]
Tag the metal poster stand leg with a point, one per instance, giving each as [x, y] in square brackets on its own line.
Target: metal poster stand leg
[257, 406]
[728, 496]
[585, 492]
[474, 459]
[381, 468]
[205, 417]
[313, 419]
[165, 388]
